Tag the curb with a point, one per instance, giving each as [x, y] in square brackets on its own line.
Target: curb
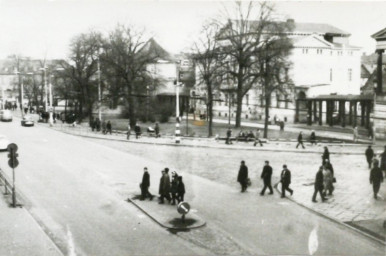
[220, 147]
[362, 232]
[162, 225]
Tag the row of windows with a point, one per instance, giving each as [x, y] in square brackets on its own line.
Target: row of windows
[320, 51]
[349, 74]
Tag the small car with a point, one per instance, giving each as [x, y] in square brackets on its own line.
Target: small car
[5, 115]
[27, 121]
[4, 142]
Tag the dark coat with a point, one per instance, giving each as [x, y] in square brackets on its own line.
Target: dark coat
[146, 180]
[300, 137]
[319, 180]
[174, 185]
[285, 177]
[108, 126]
[181, 188]
[376, 175]
[369, 153]
[313, 136]
[229, 133]
[161, 185]
[243, 174]
[383, 161]
[166, 184]
[267, 173]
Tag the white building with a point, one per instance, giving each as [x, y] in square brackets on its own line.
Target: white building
[323, 63]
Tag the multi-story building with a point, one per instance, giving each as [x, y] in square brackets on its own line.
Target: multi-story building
[323, 63]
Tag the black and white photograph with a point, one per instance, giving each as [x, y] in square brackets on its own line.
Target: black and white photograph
[192, 127]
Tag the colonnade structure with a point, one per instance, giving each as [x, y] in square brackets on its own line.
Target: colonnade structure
[342, 110]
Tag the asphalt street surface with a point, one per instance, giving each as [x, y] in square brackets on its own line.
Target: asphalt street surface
[76, 190]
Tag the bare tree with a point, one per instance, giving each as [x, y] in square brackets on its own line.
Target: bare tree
[126, 55]
[243, 37]
[84, 51]
[209, 59]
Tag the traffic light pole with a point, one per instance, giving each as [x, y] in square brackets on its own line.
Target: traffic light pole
[13, 163]
[13, 188]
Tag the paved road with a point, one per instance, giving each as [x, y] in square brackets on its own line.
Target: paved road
[76, 189]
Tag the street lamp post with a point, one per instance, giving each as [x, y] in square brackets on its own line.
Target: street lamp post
[99, 88]
[177, 133]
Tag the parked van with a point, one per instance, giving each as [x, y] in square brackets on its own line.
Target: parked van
[5, 115]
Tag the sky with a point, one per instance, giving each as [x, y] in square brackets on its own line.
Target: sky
[44, 28]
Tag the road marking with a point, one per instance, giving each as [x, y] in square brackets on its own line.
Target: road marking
[71, 245]
[313, 243]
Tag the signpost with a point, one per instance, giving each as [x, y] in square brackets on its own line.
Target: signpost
[13, 163]
[183, 208]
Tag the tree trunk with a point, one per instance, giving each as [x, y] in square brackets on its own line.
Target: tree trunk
[267, 101]
[239, 107]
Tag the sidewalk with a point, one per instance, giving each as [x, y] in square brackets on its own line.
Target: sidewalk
[20, 234]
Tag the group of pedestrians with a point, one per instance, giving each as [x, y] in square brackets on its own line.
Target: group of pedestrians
[247, 136]
[138, 131]
[172, 190]
[266, 175]
[97, 125]
[376, 175]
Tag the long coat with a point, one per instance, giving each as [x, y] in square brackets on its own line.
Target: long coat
[300, 137]
[243, 174]
[326, 155]
[327, 179]
[319, 180]
[285, 177]
[166, 184]
[161, 185]
[146, 180]
[267, 174]
[181, 188]
[376, 176]
[369, 154]
[383, 161]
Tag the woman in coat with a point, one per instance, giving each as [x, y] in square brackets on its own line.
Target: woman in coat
[327, 181]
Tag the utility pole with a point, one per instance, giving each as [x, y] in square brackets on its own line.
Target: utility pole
[177, 133]
[99, 88]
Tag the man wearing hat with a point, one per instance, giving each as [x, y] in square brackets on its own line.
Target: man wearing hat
[285, 179]
[145, 185]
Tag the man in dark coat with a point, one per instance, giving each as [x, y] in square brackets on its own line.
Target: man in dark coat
[326, 155]
[369, 155]
[180, 190]
[161, 187]
[318, 185]
[300, 140]
[242, 177]
[174, 187]
[313, 138]
[376, 178]
[156, 129]
[145, 184]
[285, 179]
[108, 127]
[266, 176]
[165, 186]
[383, 160]
[229, 135]
[137, 130]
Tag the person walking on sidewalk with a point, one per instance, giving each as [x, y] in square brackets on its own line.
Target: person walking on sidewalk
[369, 155]
[300, 140]
[355, 134]
[128, 131]
[165, 186]
[327, 164]
[266, 176]
[318, 187]
[257, 138]
[145, 184]
[104, 127]
[326, 155]
[285, 179]
[313, 138]
[242, 177]
[174, 187]
[180, 190]
[229, 135]
[156, 129]
[376, 178]
[383, 160]
[108, 127]
[327, 181]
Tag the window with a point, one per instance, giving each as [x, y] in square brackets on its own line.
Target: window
[350, 74]
[319, 51]
[305, 51]
[330, 74]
